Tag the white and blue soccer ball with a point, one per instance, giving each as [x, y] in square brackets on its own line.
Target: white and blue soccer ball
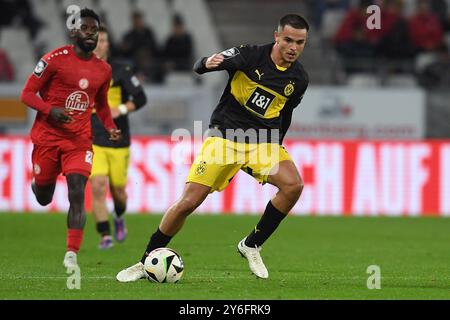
[164, 265]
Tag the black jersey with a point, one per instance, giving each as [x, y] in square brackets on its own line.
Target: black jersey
[259, 94]
[124, 87]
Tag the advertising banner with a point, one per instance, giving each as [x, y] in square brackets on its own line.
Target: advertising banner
[360, 113]
[341, 178]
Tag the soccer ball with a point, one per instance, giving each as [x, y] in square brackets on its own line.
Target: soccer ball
[163, 265]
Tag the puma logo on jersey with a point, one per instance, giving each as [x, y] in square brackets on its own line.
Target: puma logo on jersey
[259, 74]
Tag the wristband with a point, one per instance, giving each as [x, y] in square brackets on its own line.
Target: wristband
[123, 109]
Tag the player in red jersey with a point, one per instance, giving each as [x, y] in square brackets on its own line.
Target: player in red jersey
[70, 81]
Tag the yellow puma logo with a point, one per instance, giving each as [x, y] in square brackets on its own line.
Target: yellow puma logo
[259, 74]
[256, 230]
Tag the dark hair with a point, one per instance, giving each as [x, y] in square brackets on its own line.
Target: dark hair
[294, 20]
[89, 13]
[177, 19]
[136, 15]
[363, 4]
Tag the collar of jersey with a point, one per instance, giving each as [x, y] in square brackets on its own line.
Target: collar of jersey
[280, 68]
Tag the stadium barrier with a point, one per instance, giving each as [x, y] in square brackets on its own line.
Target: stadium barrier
[357, 178]
[361, 113]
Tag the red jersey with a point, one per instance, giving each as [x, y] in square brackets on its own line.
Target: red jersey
[64, 80]
[426, 31]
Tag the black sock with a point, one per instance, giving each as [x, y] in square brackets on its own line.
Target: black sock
[103, 228]
[157, 240]
[119, 209]
[265, 227]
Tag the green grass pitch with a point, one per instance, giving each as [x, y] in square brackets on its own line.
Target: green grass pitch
[307, 258]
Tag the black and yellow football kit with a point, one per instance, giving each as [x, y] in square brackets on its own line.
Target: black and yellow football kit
[252, 117]
[111, 158]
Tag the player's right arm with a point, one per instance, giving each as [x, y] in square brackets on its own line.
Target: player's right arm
[231, 60]
[43, 73]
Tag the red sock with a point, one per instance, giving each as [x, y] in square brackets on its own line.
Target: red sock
[74, 239]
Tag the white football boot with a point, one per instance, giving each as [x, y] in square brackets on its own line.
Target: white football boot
[254, 259]
[132, 273]
[70, 260]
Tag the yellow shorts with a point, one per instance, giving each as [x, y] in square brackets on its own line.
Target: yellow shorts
[111, 162]
[220, 159]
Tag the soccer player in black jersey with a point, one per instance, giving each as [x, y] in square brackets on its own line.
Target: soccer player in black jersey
[266, 83]
[110, 163]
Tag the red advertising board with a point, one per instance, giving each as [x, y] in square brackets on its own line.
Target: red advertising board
[341, 178]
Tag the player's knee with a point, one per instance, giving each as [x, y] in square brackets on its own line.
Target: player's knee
[76, 194]
[76, 184]
[297, 189]
[98, 188]
[44, 200]
[294, 189]
[44, 194]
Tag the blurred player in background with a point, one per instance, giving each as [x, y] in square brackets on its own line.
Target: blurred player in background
[110, 166]
[265, 84]
[70, 81]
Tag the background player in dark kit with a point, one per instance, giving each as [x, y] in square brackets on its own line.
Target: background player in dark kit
[111, 159]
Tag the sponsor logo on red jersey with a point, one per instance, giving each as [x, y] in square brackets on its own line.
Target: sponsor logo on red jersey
[78, 101]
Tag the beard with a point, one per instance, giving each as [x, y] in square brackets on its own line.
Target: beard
[86, 47]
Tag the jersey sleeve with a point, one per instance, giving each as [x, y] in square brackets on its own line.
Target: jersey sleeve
[102, 106]
[42, 74]
[133, 87]
[236, 58]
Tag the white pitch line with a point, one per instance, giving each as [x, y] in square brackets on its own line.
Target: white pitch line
[210, 279]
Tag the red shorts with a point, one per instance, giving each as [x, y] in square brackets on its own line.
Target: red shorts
[50, 161]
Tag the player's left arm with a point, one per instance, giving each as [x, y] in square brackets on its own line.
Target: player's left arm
[104, 112]
[137, 97]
